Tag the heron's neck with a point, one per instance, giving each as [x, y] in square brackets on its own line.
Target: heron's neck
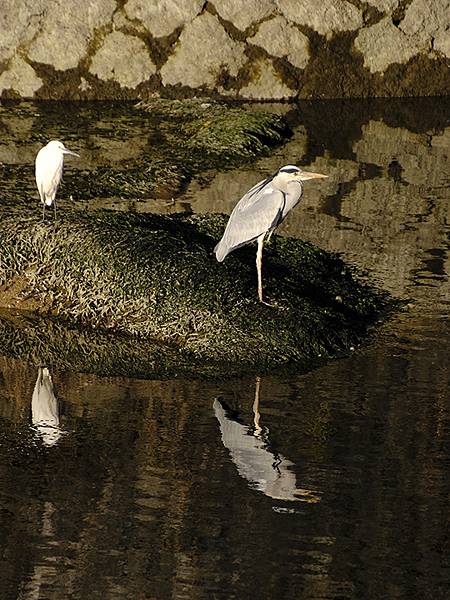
[287, 187]
[294, 188]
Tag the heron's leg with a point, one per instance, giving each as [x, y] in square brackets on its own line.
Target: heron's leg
[256, 414]
[54, 206]
[259, 265]
[259, 269]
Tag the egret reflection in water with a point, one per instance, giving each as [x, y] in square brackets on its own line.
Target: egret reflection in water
[44, 572]
[250, 451]
[44, 408]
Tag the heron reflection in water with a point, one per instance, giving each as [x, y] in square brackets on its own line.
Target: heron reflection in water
[44, 408]
[250, 451]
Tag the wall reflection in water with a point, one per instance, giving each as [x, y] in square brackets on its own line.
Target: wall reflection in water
[250, 451]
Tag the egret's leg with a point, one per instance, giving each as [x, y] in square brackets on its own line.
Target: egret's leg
[54, 206]
[43, 211]
[259, 265]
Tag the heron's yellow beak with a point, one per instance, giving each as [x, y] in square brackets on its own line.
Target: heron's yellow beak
[304, 175]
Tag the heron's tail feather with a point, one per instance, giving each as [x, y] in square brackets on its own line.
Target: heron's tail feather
[221, 251]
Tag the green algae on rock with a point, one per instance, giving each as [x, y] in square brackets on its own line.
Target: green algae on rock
[218, 133]
[153, 278]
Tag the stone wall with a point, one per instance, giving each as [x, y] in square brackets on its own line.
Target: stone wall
[248, 49]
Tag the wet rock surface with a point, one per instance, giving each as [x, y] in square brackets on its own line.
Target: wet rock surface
[275, 49]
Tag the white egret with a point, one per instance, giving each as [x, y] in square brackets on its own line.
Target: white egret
[49, 168]
[261, 210]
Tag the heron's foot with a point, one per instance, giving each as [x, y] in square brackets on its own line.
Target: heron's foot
[271, 304]
[274, 304]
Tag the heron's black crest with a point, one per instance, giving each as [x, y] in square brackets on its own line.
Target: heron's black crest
[289, 169]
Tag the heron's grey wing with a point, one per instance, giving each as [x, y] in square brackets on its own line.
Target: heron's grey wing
[248, 198]
[257, 212]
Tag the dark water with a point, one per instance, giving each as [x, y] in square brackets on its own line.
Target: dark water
[333, 484]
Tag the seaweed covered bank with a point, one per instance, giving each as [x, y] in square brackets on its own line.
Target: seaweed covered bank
[149, 279]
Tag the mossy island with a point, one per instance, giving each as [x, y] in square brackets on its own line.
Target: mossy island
[121, 293]
[154, 279]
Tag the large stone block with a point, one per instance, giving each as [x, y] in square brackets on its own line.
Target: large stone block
[425, 20]
[384, 44]
[384, 5]
[67, 28]
[243, 14]
[325, 17]
[203, 50]
[441, 42]
[20, 78]
[162, 17]
[124, 59]
[20, 20]
[280, 38]
[266, 84]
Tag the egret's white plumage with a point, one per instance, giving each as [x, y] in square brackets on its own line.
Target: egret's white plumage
[49, 169]
[261, 210]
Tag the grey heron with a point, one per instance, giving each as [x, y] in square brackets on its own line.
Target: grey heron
[49, 168]
[261, 210]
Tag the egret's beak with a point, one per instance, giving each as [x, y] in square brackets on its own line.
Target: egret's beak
[66, 151]
[304, 175]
